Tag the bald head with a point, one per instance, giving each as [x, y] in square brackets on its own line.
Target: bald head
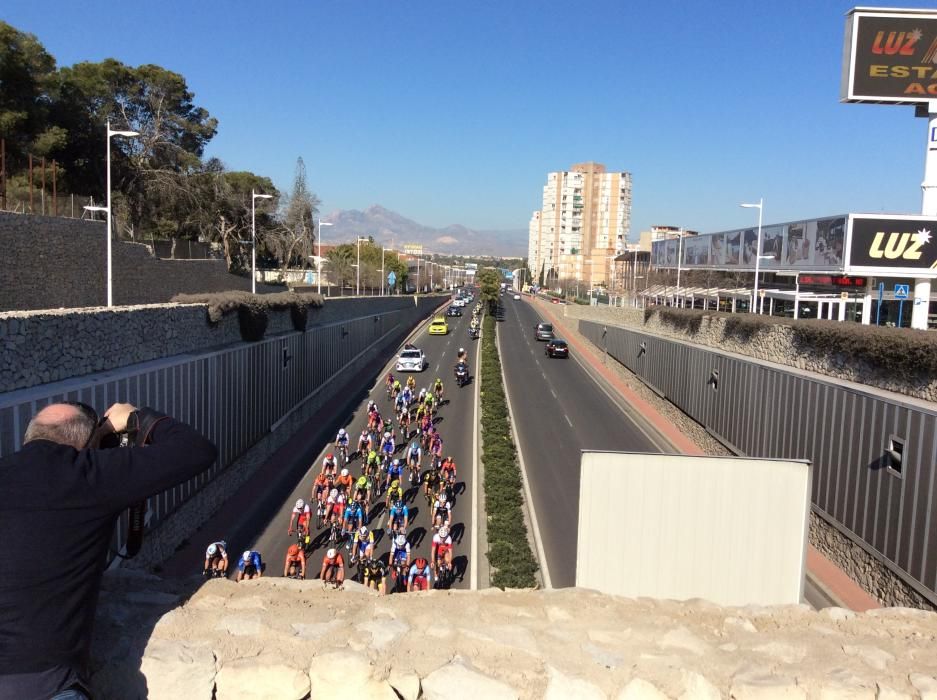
[61, 423]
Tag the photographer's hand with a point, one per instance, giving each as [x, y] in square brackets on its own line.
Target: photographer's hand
[118, 414]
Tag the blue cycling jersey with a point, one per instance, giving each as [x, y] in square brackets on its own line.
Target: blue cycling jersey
[394, 470]
[343, 440]
[353, 512]
[402, 512]
[255, 562]
[388, 447]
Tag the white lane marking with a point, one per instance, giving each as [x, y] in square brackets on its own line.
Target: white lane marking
[568, 420]
[437, 368]
[534, 524]
[554, 393]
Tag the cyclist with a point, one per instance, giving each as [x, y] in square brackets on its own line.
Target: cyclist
[352, 518]
[389, 382]
[442, 512]
[421, 397]
[400, 401]
[387, 445]
[447, 471]
[374, 575]
[362, 489]
[250, 566]
[420, 577]
[328, 465]
[407, 396]
[420, 416]
[344, 482]
[295, 562]
[426, 424]
[341, 445]
[333, 567]
[334, 506]
[395, 389]
[300, 516]
[373, 462]
[400, 552]
[398, 517]
[216, 559]
[435, 447]
[320, 487]
[403, 421]
[438, 389]
[441, 550]
[411, 382]
[430, 400]
[414, 459]
[364, 442]
[363, 545]
[394, 493]
[394, 472]
[431, 480]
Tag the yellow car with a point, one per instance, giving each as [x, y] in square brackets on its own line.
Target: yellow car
[439, 326]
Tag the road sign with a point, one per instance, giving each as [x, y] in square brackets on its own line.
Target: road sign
[901, 291]
[391, 278]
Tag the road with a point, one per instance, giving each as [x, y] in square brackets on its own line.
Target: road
[456, 424]
[559, 410]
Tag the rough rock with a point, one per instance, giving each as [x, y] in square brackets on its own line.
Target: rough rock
[174, 669]
[455, 679]
[260, 678]
[563, 687]
[640, 689]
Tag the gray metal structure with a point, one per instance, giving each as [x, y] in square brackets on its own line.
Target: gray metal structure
[874, 455]
[233, 395]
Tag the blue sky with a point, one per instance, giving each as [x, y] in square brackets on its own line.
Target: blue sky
[454, 112]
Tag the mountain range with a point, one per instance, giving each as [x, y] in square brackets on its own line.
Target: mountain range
[394, 230]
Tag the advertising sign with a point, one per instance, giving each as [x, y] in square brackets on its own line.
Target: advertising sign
[895, 244]
[412, 249]
[813, 244]
[889, 56]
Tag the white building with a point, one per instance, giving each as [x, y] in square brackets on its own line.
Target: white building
[582, 225]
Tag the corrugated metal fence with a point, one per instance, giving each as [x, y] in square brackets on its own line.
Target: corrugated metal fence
[887, 506]
[233, 395]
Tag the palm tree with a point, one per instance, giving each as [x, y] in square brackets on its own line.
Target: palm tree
[341, 263]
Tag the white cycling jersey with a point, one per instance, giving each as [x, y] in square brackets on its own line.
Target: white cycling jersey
[438, 540]
[394, 548]
[305, 509]
[222, 552]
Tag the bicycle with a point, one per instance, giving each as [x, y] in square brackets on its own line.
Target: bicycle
[343, 455]
[443, 575]
[320, 514]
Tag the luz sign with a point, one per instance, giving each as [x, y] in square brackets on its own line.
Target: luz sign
[890, 56]
[892, 244]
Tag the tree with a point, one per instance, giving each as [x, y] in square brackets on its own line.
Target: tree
[341, 259]
[27, 73]
[489, 281]
[292, 240]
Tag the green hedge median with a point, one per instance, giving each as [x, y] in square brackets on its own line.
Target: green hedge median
[508, 547]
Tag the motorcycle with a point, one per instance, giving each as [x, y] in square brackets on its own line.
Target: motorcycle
[461, 376]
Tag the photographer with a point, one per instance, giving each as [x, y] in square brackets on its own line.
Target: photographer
[56, 486]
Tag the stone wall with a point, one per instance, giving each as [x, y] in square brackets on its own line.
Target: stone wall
[290, 640]
[772, 345]
[47, 346]
[54, 262]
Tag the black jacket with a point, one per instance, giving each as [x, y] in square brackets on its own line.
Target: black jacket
[58, 507]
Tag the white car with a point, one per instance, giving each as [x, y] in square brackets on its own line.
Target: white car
[458, 302]
[517, 297]
[411, 360]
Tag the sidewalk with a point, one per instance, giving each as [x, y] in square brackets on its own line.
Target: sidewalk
[834, 580]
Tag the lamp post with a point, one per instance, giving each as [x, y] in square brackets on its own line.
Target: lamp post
[254, 198]
[679, 261]
[358, 266]
[383, 280]
[319, 256]
[110, 275]
[760, 208]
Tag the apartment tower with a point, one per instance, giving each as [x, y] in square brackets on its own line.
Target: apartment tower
[583, 224]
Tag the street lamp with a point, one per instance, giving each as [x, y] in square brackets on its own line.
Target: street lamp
[110, 276]
[319, 266]
[358, 266]
[254, 198]
[679, 261]
[760, 208]
[383, 250]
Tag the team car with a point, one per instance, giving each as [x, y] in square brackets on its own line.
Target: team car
[411, 359]
[439, 326]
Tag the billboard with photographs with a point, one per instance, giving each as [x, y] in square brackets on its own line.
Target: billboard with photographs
[812, 244]
[886, 244]
[890, 56]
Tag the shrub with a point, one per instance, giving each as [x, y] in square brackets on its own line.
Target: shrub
[252, 308]
[508, 548]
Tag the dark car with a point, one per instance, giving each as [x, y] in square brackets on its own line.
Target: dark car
[544, 331]
[453, 311]
[557, 348]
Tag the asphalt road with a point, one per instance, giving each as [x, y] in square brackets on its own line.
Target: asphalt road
[559, 410]
[456, 423]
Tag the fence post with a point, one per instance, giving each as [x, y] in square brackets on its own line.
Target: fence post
[3, 172]
[55, 208]
[30, 183]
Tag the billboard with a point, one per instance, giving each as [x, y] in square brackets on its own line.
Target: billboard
[889, 56]
[730, 530]
[886, 244]
[413, 249]
[811, 244]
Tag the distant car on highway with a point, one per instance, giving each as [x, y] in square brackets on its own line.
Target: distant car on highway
[557, 347]
[517, 297]
[411, 359]
[459, 302]
[453, 311]
[544, 331]
[439, 326]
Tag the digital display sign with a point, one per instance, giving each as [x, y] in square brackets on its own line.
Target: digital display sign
[889, 56]
[832, 281]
